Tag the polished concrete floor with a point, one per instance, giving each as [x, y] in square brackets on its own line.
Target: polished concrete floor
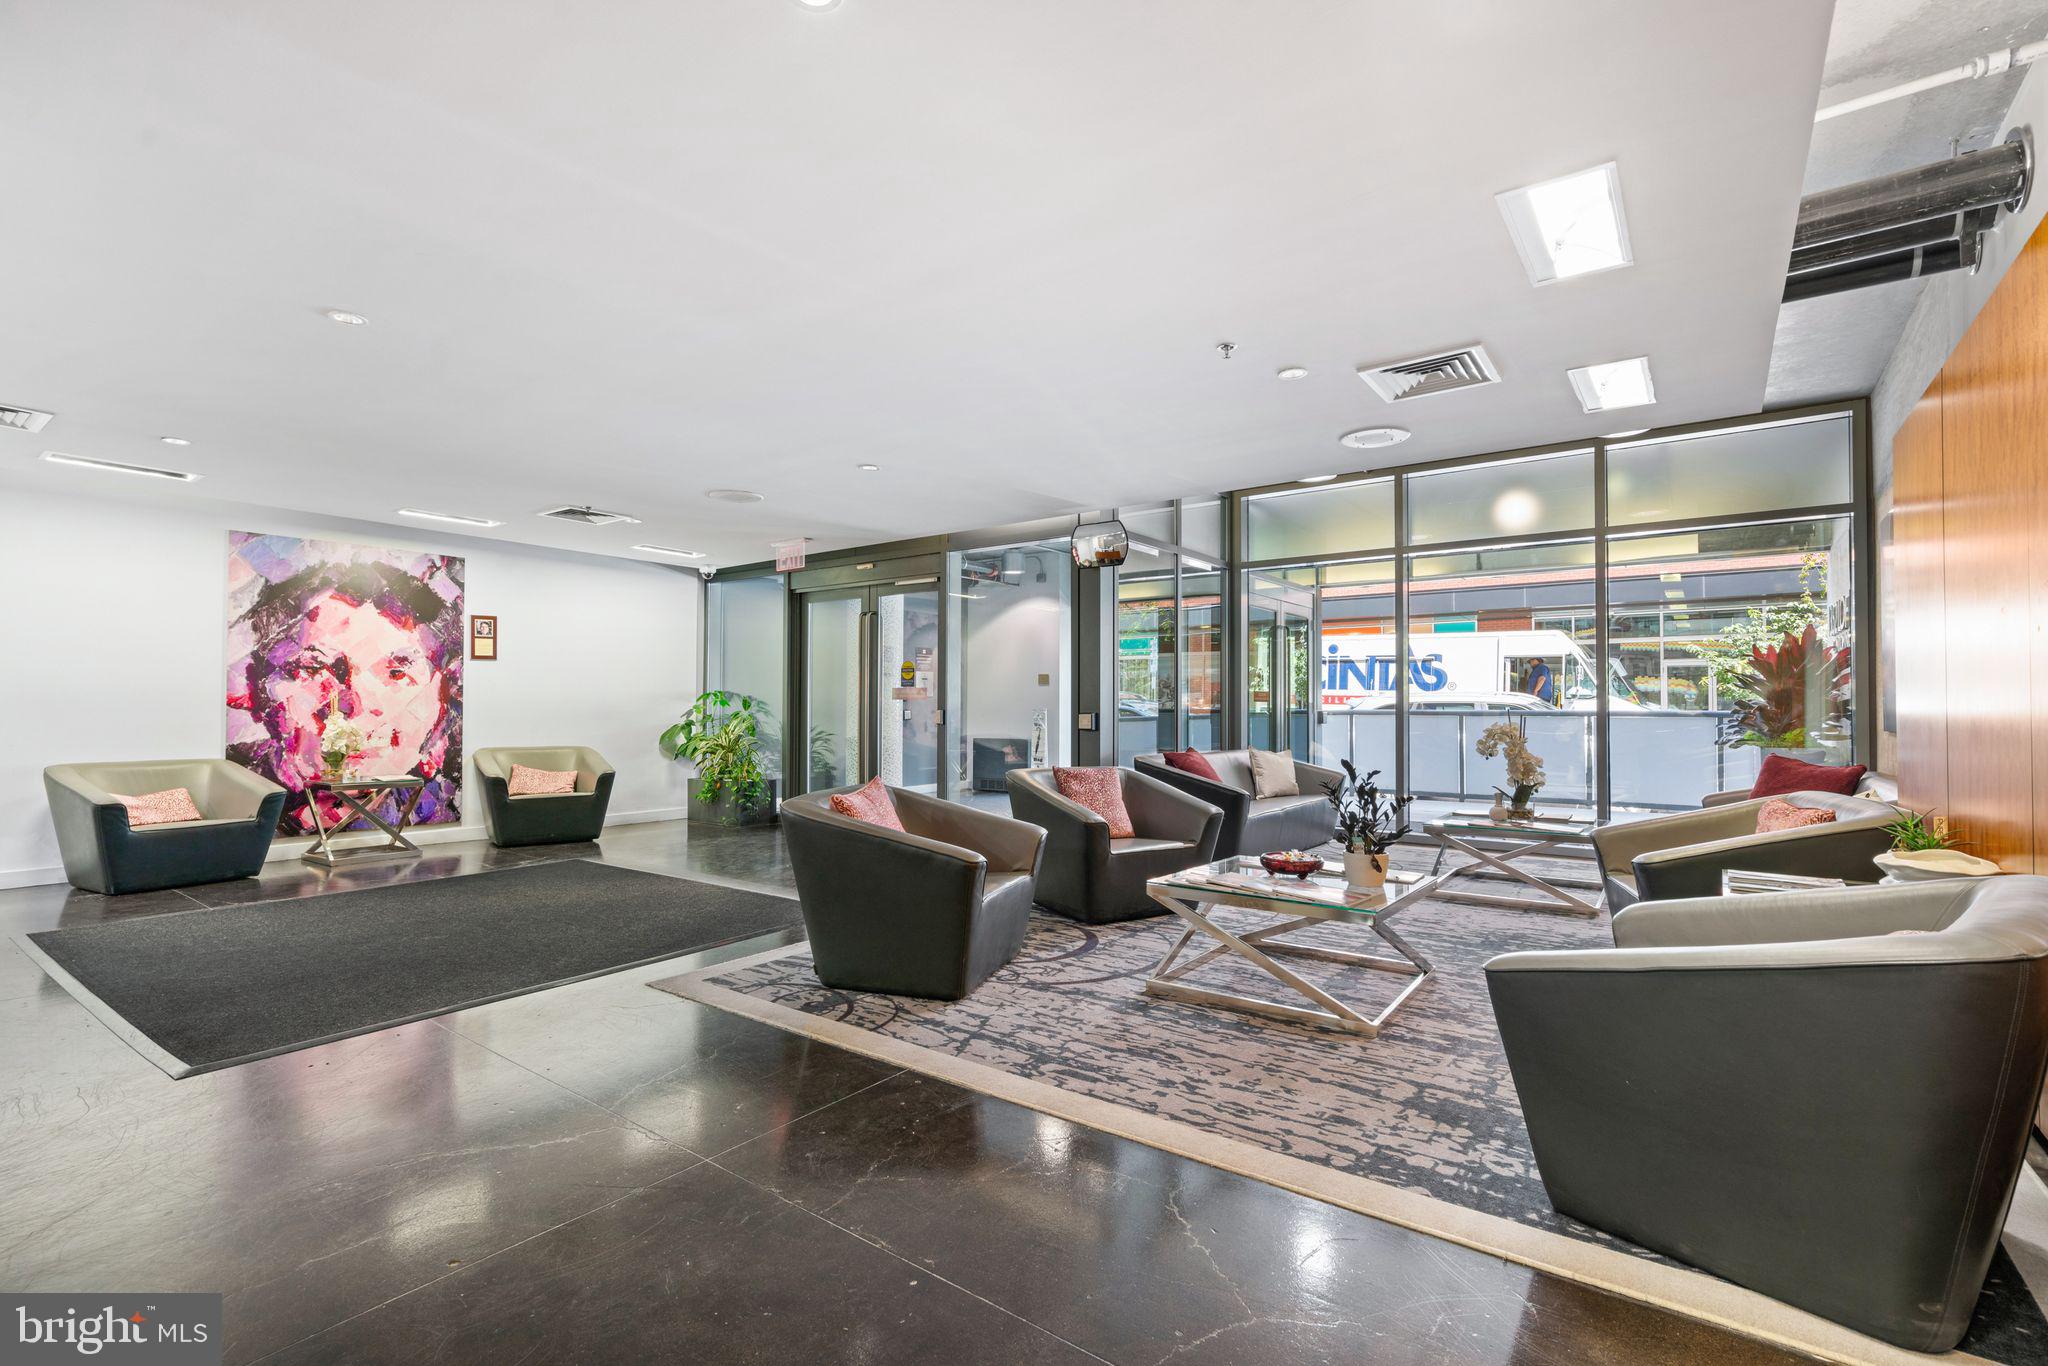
[603, 1172]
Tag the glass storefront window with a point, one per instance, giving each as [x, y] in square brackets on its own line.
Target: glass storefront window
[1153, 525]
[746, 629]
[1736, 643]
[1478, 658]
[1528, 496]
[1147, 652]
[1322, 519]
[1201, 525]
[1357, 663]
[1201, 635]
[1799, 464]
[1010, 659]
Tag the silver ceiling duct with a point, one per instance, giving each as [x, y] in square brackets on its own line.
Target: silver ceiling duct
[1907, 224]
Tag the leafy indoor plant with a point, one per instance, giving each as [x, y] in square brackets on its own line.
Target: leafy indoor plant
[1525, 770]
[721, 735]
[1917, 830]
[1369, 822]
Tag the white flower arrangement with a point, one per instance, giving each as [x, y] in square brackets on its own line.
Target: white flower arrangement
[1505, 737]
[341, 740]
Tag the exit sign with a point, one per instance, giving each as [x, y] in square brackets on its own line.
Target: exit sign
[789, 555]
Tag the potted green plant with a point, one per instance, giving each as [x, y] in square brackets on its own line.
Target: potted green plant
[721, 735]
[1369, 822]
[1525, 770]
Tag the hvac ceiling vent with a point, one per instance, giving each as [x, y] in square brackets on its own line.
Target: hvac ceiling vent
[590, 516]
[23, 419]
[1405, 379]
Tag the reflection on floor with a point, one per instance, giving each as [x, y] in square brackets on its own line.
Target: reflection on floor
[604, 1172]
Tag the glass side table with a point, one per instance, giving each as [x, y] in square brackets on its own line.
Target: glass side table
[361, 797]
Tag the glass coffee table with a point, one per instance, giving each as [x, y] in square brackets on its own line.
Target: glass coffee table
[1294, 904]
[1543, 835]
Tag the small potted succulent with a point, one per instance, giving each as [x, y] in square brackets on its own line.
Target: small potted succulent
[1369, 822]
[1525, 770]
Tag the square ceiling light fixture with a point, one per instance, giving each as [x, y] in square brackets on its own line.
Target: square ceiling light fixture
[1569, 226]
[1617, 384]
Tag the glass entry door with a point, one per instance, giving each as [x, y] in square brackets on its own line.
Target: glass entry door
[871, 686]
[1285, 710]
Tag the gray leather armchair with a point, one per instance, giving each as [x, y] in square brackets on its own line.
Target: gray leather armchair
[1783, 1091]
[930, 911]
[1684, 854]
[1254, 825]
[102, 853]
[567, 818]
[1090, 877]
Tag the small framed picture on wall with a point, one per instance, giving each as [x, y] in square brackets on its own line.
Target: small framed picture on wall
[483, 637]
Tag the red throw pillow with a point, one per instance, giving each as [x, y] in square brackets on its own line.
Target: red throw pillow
[540, 782]
[1780, 775]
[1191, 761]
[161, 808]
[1777, 814]
[1101, 791]
[869, 802]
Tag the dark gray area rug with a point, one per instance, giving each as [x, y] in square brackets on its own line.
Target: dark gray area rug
[215, 987]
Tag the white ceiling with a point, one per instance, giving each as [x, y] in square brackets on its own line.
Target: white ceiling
[1837, 345]
[623, 253]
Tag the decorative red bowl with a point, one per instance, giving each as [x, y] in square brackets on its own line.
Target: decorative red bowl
[1281, 866]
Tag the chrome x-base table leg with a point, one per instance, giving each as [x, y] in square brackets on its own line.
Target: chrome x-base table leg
[323, 850]
[1503, 862]
[1261, 948]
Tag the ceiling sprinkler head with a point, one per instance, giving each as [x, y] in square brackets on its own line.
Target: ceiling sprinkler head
[1224, 349]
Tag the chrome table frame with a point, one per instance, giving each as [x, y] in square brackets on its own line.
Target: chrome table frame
[323, 851]
[1536, 839]
[1262, 948]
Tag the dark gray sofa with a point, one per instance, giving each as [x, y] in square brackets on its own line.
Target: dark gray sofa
[1683, 854]
[930, 911]
[1782, 1091]
[567, 818]
[1090, 877]
[1254, 825]
[102, 853]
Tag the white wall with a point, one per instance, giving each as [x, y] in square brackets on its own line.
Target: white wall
[1013, 633]
[115, 648]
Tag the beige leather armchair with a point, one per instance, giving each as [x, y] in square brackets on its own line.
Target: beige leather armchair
[1685, 853]
[103, 853]
[565, 818]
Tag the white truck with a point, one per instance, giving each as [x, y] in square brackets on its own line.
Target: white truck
[1482, 670]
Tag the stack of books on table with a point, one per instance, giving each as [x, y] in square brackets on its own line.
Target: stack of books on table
[1734, 882]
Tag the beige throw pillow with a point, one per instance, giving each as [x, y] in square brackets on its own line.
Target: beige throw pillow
[1273, 774]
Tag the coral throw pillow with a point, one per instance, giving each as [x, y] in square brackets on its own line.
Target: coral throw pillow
[1101, 791]
[869, 802]
[1780, 775]
[161, 808]
[1782, 815]
[1273, 774]
[540, 782]
[1191, 761]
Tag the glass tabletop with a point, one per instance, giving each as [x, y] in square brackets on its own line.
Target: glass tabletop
[331, 784]
[1480, 823]
[1243, 880]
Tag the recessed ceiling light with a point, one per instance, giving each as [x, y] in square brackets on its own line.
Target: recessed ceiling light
[732, 495]
[1617, 384]
[867, 469]
[86, 462]
[174, 441]
[1316, 479]
[1366, 438]
[343, 316]
[819, 4]
[1294, 372]
[451, 517]
[671, 550]
[1569, 226]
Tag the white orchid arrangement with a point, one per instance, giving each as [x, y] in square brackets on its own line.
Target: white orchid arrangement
[1525, 770]
[340, 740]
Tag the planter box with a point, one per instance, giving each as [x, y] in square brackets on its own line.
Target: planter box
[725, 811]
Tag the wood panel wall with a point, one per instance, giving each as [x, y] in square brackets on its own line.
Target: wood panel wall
[1970, 552]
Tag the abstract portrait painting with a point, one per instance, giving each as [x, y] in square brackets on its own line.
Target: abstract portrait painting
[321, 630]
